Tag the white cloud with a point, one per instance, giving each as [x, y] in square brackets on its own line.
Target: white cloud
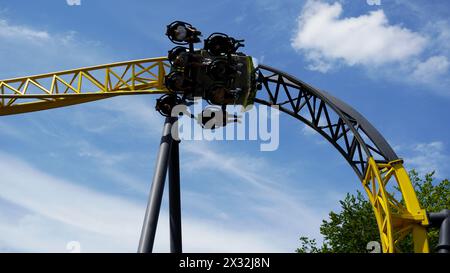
[439, 29]
[329, 41]
[427, 157]
[368, 39]
[47, 50]
[60, 200]
[27, 34]
[430, 69]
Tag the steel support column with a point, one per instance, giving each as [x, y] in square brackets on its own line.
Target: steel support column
[154, 202]
[175, 199]
[441, 220]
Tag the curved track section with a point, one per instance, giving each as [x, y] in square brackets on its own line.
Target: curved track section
[364, 148]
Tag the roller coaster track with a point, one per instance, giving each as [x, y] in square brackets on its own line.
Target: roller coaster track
[363, 147]
[64, 88]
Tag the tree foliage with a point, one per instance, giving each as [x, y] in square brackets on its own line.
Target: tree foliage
[350, 229]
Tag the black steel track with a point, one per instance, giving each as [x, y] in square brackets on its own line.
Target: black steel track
[346, 129]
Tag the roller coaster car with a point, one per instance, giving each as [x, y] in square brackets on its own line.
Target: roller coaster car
[216, 73]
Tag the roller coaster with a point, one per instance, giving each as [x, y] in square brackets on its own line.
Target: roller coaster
[223, 76]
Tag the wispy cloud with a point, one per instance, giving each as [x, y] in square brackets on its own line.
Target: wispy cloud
[47, 212]
[88, 150]
[428, 157]
[261, 187]
[8, 31]
[49, 51]
[431, 69]
[7, 129]
[136, 113]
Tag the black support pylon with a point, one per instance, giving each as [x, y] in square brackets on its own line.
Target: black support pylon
[167, 161]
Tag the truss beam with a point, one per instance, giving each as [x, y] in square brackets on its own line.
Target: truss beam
[59, 89]
[364, 148]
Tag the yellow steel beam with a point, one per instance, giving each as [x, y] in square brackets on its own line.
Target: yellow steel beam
[395, 219]
[64, 88]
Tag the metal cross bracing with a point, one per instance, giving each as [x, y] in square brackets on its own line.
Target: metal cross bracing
[64, 88]
[364, 148]
[351, 134]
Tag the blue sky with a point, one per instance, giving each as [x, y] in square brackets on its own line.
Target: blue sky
[83, 173]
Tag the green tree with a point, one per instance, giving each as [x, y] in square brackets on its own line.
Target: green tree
[349, 230]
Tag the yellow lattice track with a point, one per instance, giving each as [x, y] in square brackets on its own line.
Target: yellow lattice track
[46, 91]
[395, 219]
